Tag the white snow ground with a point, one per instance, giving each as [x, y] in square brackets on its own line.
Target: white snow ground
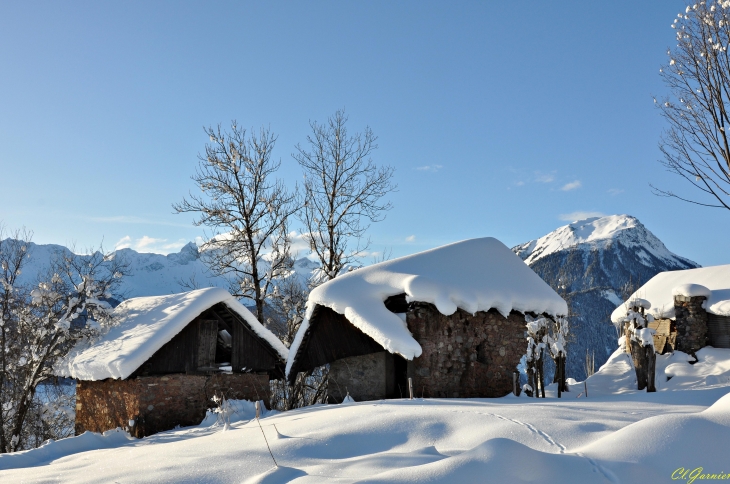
[616, 435]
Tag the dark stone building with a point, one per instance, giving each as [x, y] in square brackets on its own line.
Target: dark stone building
[462, 354]
[166, 358]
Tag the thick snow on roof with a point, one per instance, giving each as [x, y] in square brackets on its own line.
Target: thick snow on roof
[144, 325]
[661, 288]
[600, 231]
[474, 275]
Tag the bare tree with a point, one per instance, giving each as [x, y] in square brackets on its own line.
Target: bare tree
[343, 189]
[695, 145]
[13, 254]
[289, 311]
[40, 325]
[248, 210]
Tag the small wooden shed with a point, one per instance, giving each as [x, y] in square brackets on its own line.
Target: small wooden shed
[165, 359]
[452, 319]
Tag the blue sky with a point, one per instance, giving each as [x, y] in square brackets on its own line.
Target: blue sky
[504, 120]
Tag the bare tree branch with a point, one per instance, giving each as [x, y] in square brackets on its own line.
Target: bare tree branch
[343, 189]
[695, 145]
[247, 208]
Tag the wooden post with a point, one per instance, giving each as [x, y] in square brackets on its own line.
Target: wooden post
[558, 370]
[410, 388]
[585, 386]
[542, 374]
[257, 410]
[650, 368]
[515, 383]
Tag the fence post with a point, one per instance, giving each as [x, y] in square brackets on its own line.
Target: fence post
[410, 388]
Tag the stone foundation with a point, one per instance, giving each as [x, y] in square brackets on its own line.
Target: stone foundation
[161, 402]
[367, 377]
[465, 355]
[691, 319]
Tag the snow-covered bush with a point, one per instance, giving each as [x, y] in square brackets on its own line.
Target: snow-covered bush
[38, 326]
[544, 334]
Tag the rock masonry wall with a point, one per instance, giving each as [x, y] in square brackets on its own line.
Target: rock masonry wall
[691, 319]
[158, 403]
[465, 355]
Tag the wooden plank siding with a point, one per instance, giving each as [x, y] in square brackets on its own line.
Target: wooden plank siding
[197, 348]
[179, 355]
[330, 337]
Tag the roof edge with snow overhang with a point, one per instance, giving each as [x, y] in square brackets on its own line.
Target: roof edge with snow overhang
[711, 282]
[473, 275]
[144, 325]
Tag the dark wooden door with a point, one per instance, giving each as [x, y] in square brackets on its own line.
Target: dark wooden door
[207, 339]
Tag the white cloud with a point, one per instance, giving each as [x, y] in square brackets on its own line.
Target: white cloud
[149, 244]
[545, 177]
[571, 217]
[410, 238]
[519, 183]
[615, 191]
[124, 243]
[299, 245]
[433, 168]
[571, 186]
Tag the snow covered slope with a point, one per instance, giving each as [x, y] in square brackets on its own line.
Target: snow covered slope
[151, 274]
[594, 264]
[600, 233]
[616, 435]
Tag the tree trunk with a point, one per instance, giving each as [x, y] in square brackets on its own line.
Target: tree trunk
[651, 368]
[638, 355]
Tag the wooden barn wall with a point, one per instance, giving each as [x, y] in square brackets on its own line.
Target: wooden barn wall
[331, 337]
[179, 355]
[249, 351]
[194, 348]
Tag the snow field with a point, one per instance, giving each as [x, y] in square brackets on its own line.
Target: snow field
[616, 435]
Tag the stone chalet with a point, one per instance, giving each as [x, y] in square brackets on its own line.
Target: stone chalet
[166, 357]
[451, 318]
[689, 309]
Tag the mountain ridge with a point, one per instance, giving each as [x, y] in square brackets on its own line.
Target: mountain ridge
[594, 264]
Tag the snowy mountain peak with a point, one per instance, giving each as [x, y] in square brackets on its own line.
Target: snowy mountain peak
[600, 232]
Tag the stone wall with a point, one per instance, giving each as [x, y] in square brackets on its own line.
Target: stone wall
[691, 319]
[367, 377]
[160, 402]
[465, 355]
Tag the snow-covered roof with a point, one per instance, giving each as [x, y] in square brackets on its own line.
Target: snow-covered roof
[474, 275]
[144, 325]
[660, 290]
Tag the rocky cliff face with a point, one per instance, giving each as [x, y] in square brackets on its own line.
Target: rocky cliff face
[592, 263]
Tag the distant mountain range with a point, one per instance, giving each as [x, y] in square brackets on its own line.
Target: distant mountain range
[150, 274]
[594, 264]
